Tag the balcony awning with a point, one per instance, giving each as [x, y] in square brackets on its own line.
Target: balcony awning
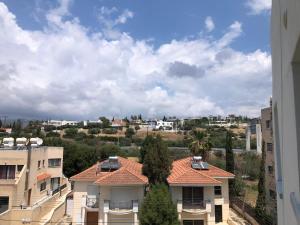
[43, 176]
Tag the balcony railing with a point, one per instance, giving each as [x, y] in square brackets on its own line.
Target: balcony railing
[92, 201]
[193, 203]
[122, 205]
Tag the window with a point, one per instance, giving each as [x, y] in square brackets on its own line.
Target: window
[193, 222]
[19, 168]
[218, 214]
[39, 164]
[7, 171]
[268, 124]
[192, 197]
[270, 169]
[54, 162]
[4, 201]
[218, 190]
[43, 186]
[43, 163]
[269, 147]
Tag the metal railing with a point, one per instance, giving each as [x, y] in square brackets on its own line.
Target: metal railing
[92, 201]
[193, 203]
[121, 205]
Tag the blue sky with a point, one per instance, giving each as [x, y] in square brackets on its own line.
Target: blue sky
[182, 58]
[159, 20]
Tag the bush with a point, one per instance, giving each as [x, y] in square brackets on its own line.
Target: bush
[110, 131]
[70, 132]
[94, 130]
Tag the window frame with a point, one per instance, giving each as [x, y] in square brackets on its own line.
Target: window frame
[43, 186]
[54, 165]
[217, 191]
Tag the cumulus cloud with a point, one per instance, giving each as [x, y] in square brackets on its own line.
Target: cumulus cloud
[209, 24]
[66, 70]
[259, 6]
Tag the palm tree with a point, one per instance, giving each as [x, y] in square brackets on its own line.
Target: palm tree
[200, 145]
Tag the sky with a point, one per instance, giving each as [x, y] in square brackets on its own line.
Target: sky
[78, 59]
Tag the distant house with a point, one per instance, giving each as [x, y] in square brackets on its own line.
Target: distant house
[164, 125]
[88, 122]
[59, 123]
[116, 123]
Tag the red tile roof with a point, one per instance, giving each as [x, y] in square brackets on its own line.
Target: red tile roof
[130, 173]
[183, 174]
[43, 176]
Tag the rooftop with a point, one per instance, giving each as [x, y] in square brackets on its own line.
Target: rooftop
[183, 174]
[129, 173]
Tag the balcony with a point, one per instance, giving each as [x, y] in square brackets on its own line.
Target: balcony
[194, 205]
[92, 201]
[116, 206]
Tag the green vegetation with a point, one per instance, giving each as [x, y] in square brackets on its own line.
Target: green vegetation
[156, 160]
[200, 145]
[230, 161]
[129, 133]
[260, 208]
[158, 208]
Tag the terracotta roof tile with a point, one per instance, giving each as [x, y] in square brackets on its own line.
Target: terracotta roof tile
[130, 173]
[43, 176]
[182, 173]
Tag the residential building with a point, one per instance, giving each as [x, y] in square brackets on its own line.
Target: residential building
[164, 125]
[32, 185]
[267, 136]
[91, 122]
[200, 192]
[118, 123]
[60, 123]
[286, 107]
[109, 192]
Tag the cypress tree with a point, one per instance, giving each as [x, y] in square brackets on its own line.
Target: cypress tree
[230, 161]
[260, 208]
[158, 208]
[156, 160]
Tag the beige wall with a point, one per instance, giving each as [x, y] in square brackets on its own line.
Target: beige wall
[81, 191]
[286, 106]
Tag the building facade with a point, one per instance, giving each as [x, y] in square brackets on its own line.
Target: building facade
[109, 192]
[200, 192]
[267, 136]
[286, 107]
[32, 185]
[112, 191]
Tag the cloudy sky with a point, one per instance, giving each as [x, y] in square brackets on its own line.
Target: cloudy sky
[78, 59]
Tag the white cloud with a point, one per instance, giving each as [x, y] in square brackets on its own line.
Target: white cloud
[67, 71]
[259, 6]
[209, 24]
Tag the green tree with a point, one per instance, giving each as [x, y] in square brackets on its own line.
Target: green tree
[105, 122]
[129, 132]
[157, 162]
[200, 145]
[158, 208]
[71, 132]
[230, 161]
[260, 208]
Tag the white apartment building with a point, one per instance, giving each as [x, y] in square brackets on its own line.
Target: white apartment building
[59, 123]
[112, 191]
[286, 107]
[32, 185]
[164, 125]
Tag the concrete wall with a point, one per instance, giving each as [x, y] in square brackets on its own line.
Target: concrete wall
[286, 105]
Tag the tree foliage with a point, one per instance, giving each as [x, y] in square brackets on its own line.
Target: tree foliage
[260, 208]
[158, 208]
[156, 159]
[230, 161]
[200, 145]
[129, 132]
